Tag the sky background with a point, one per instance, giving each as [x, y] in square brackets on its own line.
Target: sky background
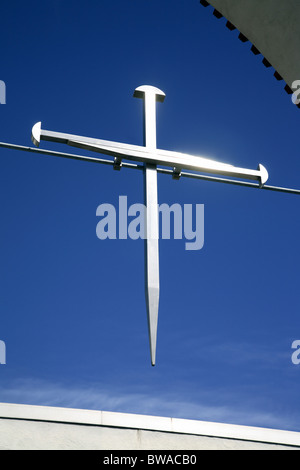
[73, 313]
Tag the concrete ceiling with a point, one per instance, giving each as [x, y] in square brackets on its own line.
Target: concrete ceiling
[272, 26]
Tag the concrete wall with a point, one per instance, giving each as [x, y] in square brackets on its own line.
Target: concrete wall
[272, 26]
[34, 427]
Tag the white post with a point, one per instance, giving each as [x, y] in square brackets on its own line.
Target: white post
[151, 95]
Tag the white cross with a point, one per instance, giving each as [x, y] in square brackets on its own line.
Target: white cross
[150, 156]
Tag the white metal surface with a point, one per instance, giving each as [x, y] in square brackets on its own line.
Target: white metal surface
[167, 158]
[150, 156]
[150, 95]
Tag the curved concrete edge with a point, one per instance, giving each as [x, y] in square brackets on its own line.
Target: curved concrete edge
[145, 422]
[272, 26]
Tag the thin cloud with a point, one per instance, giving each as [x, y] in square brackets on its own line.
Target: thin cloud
[37, 392]
[239, 353]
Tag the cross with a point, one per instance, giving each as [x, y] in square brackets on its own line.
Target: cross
[150, 156]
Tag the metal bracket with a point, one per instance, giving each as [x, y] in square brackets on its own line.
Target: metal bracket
[117, 163]
[176, 173]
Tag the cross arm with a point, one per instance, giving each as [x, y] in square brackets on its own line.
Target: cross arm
[178, 161]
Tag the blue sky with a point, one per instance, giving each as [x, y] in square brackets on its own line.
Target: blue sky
[73, 313]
